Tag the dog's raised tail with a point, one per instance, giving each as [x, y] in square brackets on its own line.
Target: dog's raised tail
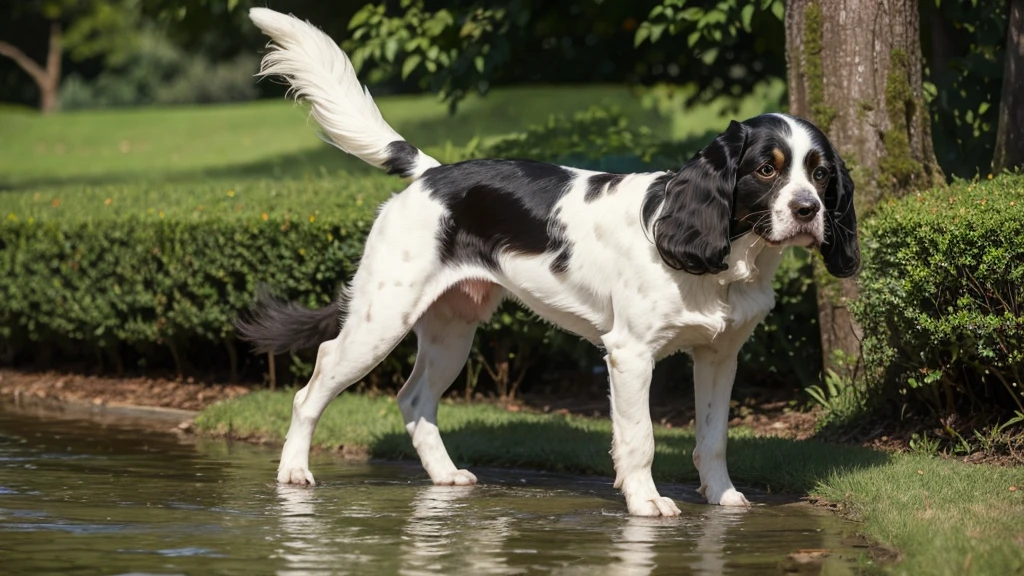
[322, 75]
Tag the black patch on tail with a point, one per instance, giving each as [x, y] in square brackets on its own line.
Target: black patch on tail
[401, 158]
[278, 326]
[597, 182]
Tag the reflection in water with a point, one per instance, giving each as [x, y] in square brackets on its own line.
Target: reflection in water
[304, 545]
[709, 553]
[178, 507]
[635, 545]
[442, 525]
[641, 539]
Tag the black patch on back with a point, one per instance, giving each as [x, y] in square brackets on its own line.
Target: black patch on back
[500, 205]
[653, 198]
[597, 182]
[401, 158]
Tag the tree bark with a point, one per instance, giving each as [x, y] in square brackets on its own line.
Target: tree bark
[1009, 151]
[855, 71]
[47, 79]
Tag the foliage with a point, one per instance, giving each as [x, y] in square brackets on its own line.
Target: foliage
[91, 28]
[941, 295]
[453, 56]
[738, 44]
[454, 48]
[964, 78]
[159, 72]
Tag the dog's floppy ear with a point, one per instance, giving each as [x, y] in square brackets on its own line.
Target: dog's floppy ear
[841, 249]
[692, 230]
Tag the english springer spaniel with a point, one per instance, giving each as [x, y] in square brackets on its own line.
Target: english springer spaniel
[642, 265]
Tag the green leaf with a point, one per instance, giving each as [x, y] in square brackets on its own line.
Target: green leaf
[656, 31]
[360, 17]
[410, 64]
[391, 49]
[746, 15]
[479, 63]
[641, 34]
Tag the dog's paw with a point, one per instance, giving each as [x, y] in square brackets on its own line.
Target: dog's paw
[728, 497]
[456, 478]
[733, 498]
[657, 506]
[295, 475]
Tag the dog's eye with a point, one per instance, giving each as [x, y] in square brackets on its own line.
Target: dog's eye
[820, 174]
[766, 171]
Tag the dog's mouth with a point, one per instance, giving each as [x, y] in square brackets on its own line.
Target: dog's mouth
[802, 240]
[806, 236]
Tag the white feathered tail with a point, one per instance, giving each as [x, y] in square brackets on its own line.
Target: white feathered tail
[321, 74]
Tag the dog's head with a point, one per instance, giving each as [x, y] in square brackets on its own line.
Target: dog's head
[775, 175]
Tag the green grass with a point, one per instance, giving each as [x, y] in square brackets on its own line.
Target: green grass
[944, 517]
[271, 138]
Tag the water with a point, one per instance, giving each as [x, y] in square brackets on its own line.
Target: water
[81, 497]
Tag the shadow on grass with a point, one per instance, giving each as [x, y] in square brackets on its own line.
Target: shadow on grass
[774, 465]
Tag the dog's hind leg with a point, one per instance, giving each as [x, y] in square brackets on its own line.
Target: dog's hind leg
[386, 299]
[339, 364]
[444, 344]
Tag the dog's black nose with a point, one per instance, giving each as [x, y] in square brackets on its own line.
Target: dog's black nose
[805, 207]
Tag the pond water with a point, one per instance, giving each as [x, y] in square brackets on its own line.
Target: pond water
[84, 497]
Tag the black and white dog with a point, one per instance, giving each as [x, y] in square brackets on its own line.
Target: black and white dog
[643, 265]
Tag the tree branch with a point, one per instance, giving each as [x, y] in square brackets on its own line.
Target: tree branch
[27, 64]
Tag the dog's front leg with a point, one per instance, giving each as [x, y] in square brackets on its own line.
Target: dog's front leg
[714, 370]
[629, 368]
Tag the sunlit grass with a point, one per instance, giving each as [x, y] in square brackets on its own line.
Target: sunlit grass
[271, 138]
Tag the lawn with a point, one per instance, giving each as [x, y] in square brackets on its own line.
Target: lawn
[271, 138]
[944, 517]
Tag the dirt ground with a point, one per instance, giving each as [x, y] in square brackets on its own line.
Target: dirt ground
[73, 388]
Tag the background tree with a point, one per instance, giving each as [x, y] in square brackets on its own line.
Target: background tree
[82, 28]
[1009, 148]
[854, 68]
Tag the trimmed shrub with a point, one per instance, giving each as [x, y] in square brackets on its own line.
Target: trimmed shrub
[97, 268]
[942, 297]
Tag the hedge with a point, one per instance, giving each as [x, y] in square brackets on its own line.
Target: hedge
[942, 297]
[101, 267]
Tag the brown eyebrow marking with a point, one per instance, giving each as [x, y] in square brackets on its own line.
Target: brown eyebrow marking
[812, 161]
[779, 158]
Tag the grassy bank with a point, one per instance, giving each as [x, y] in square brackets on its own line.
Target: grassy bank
[943, 516]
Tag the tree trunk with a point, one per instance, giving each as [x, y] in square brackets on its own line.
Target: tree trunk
[854, 69]
[1009, 152]
[47, 79]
